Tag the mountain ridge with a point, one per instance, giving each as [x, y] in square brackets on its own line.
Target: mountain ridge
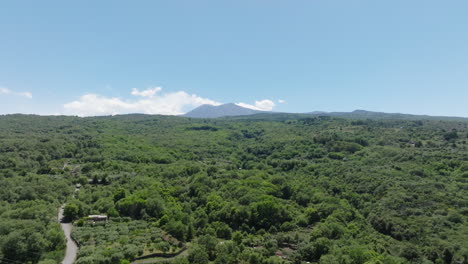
[234, 110]
[365, 114]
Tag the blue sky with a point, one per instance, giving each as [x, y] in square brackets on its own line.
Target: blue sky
[109, 57]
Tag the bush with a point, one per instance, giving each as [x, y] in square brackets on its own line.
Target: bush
[336, 156]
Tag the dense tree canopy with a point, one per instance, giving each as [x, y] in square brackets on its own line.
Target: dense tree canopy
[238, 190]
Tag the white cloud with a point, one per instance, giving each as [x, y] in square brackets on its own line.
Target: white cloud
[25, 94]
[4, 90]
[166, 104]
[146, 93]
[281, 101]
[263, 105]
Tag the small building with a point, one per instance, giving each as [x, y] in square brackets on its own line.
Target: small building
[97, 218]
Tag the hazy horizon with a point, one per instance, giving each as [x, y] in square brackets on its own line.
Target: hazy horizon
[266, 111]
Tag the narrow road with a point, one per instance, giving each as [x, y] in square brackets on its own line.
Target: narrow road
[72, 247]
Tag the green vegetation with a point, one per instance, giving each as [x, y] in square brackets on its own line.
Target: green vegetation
[279, 189]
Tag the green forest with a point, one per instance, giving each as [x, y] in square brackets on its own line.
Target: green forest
[260, 189]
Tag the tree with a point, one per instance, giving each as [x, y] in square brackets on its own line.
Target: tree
[222, 230]
[314, 250]
[164, 246]
[312, 215]
[70, 212]
[198, 255]
[237, 237]
[56, 239]
[15, 247]
[208, 242]
[177, 229]
[112, 212]
[24, 246]
[36, 246]
[154, 207]
[119, 194]
[450, 135]
[267, 213]
[131, 206]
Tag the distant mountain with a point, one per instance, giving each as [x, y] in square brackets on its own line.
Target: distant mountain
[237, 112]
[363, 114]
[211, 111]
[356, 114]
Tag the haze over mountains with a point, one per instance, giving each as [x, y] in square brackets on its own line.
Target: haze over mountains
[231, 110]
